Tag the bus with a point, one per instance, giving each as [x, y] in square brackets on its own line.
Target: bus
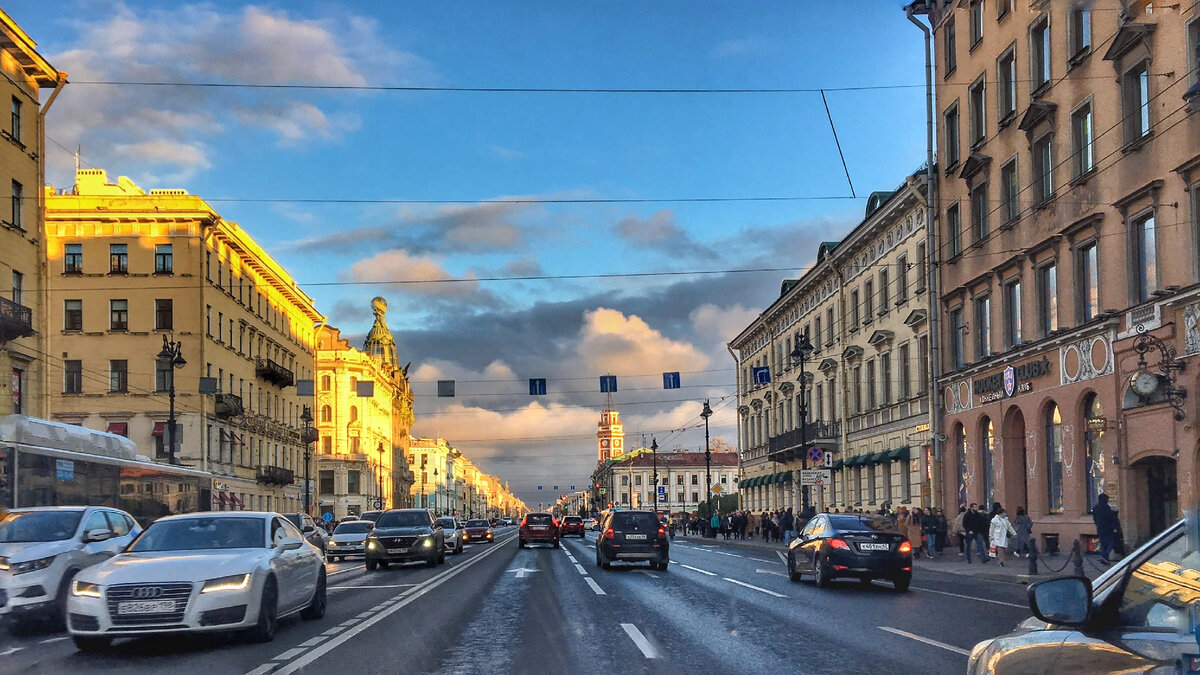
[45, 463]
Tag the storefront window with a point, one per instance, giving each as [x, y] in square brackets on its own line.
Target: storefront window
[960, 447]
[1054, 459]
[1094, 443]
[986, 443]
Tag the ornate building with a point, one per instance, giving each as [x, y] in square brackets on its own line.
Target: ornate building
[610, 433]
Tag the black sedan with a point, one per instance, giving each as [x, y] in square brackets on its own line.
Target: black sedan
[405, 535]
[836, 545]
[632, 536]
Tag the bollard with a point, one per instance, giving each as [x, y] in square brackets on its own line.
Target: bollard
[1078, 560]
[1033, 557]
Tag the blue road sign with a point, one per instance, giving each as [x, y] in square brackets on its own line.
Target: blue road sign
[537, 386]
[445, 388]
[662, 489]
[539, 487]
[556, 487]
[815, 455]
[572, 488]
[328, 517]
[670, 380]
[608, 383]
[762, 375]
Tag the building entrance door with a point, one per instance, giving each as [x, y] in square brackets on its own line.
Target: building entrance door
[1016, 472]
[1162, 493]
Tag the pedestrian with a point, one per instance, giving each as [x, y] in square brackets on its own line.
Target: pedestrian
[943, 529]
[1001, 530]
[714, 525]
[1107, 526]
[914, 531]
[975, 523]
[1024, 527]
[960, 534]
[929, 525]
[785, 525]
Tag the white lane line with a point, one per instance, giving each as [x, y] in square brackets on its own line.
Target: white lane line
[365, 614]
[780, 574]
[56, 639]
[581, 570]
[352, 588]
[313, 642]
[263, 669]
[760, 590]
[781, 556]
[332, 631]
[348, 623]
[697, 569]
[970, 597]
[337, 572]
[731, 555]
[763, 560]
[652, 575]
[289, 654]
[640, 640]
[918, 638]
[595, 586]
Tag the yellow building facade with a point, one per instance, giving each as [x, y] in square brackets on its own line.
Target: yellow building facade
[447, 482]
[23, 349]
[129, 269]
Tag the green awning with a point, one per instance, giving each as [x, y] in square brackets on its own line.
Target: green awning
[879, 457]
[773, 479]
[899, 454]
[785, 476]
[837, 464]
[756, 481]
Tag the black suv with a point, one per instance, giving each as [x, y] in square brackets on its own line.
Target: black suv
[632, 536]
[405, 535]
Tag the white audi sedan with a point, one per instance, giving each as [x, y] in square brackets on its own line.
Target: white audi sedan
[202, 572]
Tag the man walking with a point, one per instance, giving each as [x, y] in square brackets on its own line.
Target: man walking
[1107, 526]
[975, 523]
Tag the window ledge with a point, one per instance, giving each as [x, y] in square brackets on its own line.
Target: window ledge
[12, 226]
[901, 302]
[953, 259]
[976, 244]
[951, 167]
[163, 274]
[1083, 178]
[1041, 90]
[1044, 203]
[1006, 120]
[117, 273]
[978, 143]
[1008, 225]
[1080, 57]
[948, 73]
[13, 139]
[72, 331]
[72, 273]
[1137, 143]
[974, 46]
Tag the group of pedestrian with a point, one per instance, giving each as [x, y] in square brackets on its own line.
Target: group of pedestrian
[991, 534]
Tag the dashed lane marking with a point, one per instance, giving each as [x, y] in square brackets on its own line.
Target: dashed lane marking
[55, 639]
[918, 638]
[354, 588]
[314, 642]
[595, 586]
[263, 669]
[640, 640]
[581, 570]
[762, 560]
[970, 597]
[648, 573]
[697, 569]
[332, 631]
[289, 654]
[731, 555]
[780, 574]
[757, 588]
[781, 556]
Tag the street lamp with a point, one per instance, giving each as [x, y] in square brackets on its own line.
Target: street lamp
[707, 413]
[654, 456]
[380, 465]
[436, 489]
[171, 356]
[799, 355]
[307, 418]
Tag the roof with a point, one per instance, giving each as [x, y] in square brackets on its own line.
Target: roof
[18, 43]
[680, 459]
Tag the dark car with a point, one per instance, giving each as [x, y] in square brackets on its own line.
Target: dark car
[571, 525]
[405, 535]
[317, 536]
[834, 545]
[1140, 616]
[372, 516]
[632, 536]
[538, 528]
[477, 531]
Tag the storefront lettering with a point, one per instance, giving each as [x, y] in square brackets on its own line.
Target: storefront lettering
[992, 387]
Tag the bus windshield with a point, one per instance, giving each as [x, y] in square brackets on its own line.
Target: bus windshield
[33, 526]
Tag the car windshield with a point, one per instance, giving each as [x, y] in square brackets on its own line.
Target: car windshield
[404, 519]
[477, 523]
[538, 519]
[446, 523]
[32, 526]
[356, 527]
[199, 533]
[859, 523]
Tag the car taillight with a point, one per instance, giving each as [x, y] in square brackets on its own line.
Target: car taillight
[838, 543]
[662, 532]
[609, 534]
[905, 547]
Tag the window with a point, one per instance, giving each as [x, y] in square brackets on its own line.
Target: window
[695, 481]
[1193, 54]
[1145, 256]
[983, 326]
[952, 141]
[72, 315]
[1043, 169]
[1054, 459]
[979, 212]
[118, 258]
[902, 279]
[960, 449]
[1093, 441]
[325, 382]
[163, 374]
[904, 384]
[868, 301]
[1088, 283]
[871, 386]
[858, 399]
[15, 129]
[854, 310]
[1009, 191]
[920, 266]
[1047, 299]
[954, 229]
[1006, 78]
[164, 314]
[957, 355]
[1039, 53]
[922, 362]
[1082, 140]
[163, 263]
[885, 377]
[883, 291]
[951, 53]
[1136, 94]
[352, 482]
[73, 259]
[118, 315]
[987, 445]
[18, 285]
[1012, 314]
[326, 414]
[1003, 8]
[18, 195]
[1080, 31]
[978, 111]
[976, 22]
[325, 482]
[829, 326]
[118, 376]
[73, 377]
[815, 338]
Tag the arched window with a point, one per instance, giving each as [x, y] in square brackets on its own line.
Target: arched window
[1094, 444]
[353, 414]
[986, 445]
[1054, 459]
[960, 448]
[325, 383]
[326, 414]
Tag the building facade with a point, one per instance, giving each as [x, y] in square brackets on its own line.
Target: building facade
[130, 270]
[1069, 155]
[432, 461]
[683, 479]
[610, 433]
[23, 318]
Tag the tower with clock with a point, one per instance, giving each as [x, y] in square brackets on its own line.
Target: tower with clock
[610, 433]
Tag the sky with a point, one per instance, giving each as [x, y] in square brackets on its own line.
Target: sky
[514, 234]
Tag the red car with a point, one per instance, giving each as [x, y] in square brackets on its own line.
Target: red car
[538, 528]
[571, 525]
[477, 532]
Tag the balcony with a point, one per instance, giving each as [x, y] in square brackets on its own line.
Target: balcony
[228, 405]
[787, 446]
[16, 320]
[274, 373]
[275, 475]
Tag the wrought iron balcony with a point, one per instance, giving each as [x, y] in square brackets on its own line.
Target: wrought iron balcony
[275, 475]
[16, 320]
[787, 446]
[228, 405]
[273, 372]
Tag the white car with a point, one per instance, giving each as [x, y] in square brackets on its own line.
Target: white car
[453, 530]
[41, 549]
[215, 571]
[350, 538]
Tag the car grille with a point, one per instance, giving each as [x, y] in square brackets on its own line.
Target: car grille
[84, 622]
[400, 542]
[179, 592]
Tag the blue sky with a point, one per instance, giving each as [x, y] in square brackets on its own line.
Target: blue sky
[242, 145]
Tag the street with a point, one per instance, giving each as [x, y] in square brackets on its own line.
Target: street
[498, 608]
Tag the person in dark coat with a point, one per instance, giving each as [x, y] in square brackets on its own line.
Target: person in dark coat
[976, 523]
[1107, 526]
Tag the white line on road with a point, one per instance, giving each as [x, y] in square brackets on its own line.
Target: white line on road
[333, 631]
[781, 574]
[56, 639]
[263, 669]
[781, 556]
[731, 555]
[595, 586]
[970, 597]
[763, 560]
[697, 569]
[352, 588]
[652, 575]
[314, 642]
[581, 570]
[10, 651]
[918, 638]
[342, 571]
[761, 590]
[640, 640]
[289, 654]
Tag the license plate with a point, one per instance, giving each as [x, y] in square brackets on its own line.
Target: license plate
[146, 607]
[875, 547]
[635, 536]
[394, 551]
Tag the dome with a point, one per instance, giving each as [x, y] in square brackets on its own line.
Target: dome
[379, 342]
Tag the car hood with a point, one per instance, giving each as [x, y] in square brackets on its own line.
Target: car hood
[354, 538]
[21, 551]
[401, 531]
[160, 566]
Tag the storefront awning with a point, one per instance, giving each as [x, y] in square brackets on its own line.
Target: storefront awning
[837, 464]
[785, 476]
[899, 454]
[880, 457]
[221, 499]
[159, 428]
[119, 428]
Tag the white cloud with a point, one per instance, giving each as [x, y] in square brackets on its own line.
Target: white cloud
[610, 342]
[398, 265]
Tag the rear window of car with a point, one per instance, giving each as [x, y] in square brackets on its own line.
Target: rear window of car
[573, 519]
[538, 519]
[857, 523]
[478, 523]
[640, 521]
[446, 523]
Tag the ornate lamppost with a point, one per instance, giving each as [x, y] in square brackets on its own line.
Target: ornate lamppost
[172, 356]
[654, 456]
[707, 413]
[308, 438]
[800, 355]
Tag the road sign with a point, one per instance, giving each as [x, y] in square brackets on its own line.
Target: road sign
[662, 489]
[537, 386]
[762, 375]
[670, 380]
[816, 477]
[815, 455]
[328, 517]
[608, 383]
[716, 489]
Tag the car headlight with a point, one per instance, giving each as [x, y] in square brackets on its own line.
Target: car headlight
[32, 565]
[84, 589]
[235, 582]
[427, 541]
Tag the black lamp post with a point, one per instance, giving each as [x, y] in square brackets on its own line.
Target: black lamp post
[171, 355]
[800, 355]
[654, 457]
[436, 489]
[307, 418]
[380, 465]
[706, 413]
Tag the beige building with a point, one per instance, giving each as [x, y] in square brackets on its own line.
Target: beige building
[24, 353]
[364, 410]
[433, 465]
[683, 476]
[129, 270]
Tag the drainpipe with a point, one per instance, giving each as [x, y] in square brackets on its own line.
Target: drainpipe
[43, 252]
[843, 379]
[737, 378]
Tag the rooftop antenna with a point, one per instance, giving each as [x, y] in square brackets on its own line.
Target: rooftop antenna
[608, 402]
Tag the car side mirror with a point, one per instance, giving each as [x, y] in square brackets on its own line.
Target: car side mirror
[460, 526]
[290, 543]
[98, 534]
[1066, 601]
[308, 528]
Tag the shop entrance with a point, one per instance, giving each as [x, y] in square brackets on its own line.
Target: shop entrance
[1016, 472]
[1156, 475]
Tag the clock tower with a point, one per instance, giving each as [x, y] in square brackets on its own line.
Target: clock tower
[610, 433]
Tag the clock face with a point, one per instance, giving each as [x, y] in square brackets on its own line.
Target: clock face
[604, 442]
[1143, 383]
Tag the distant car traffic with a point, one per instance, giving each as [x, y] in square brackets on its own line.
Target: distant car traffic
[591, 523]
[571, 525]
[405, 535]
[632, 536]
[372, 516]
[538, 528]
[477, 531]
[452, 531]
[350, 538]
[204, 572]
[42, 549]
[844, 545]
[317, 536]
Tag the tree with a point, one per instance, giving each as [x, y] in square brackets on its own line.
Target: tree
[721, 445]
[721, 504]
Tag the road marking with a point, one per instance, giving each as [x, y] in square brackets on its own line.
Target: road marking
[289, 654]
[522, 571]
[762, 560]
[313, 642]
[781, 556]
[365, 614]
[640, 640]
[970, 597]
[332, 631]
[761, 590]
[781, 574]
[263, 669]
[410, 595]
[595, 586]
[648, 573]
[353, 588]
[697, 569]
[10, 651]
[731, 555]
[918, 638]
[337, 572]
[56, 639]
[581, 570]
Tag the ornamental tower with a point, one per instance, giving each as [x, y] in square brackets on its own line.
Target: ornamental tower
[610, 433]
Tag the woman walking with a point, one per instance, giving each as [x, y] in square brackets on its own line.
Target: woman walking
[1024, 527]
[1001, 529]
[914, 531]
[960, 532]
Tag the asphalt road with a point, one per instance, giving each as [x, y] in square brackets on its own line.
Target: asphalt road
[499, 609]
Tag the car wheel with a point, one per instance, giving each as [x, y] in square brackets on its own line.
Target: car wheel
[59, 618]
[521, 543]
[384, 564]
[556, 545]
[268, 613]
[432, 561]
[371, 564]
[821, 575]
[793, 573]
[662, 566]
[316, 608]
[91, 644]
[901, 583]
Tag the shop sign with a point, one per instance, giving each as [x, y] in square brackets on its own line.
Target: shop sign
[1097, 425]
[1011, 381]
